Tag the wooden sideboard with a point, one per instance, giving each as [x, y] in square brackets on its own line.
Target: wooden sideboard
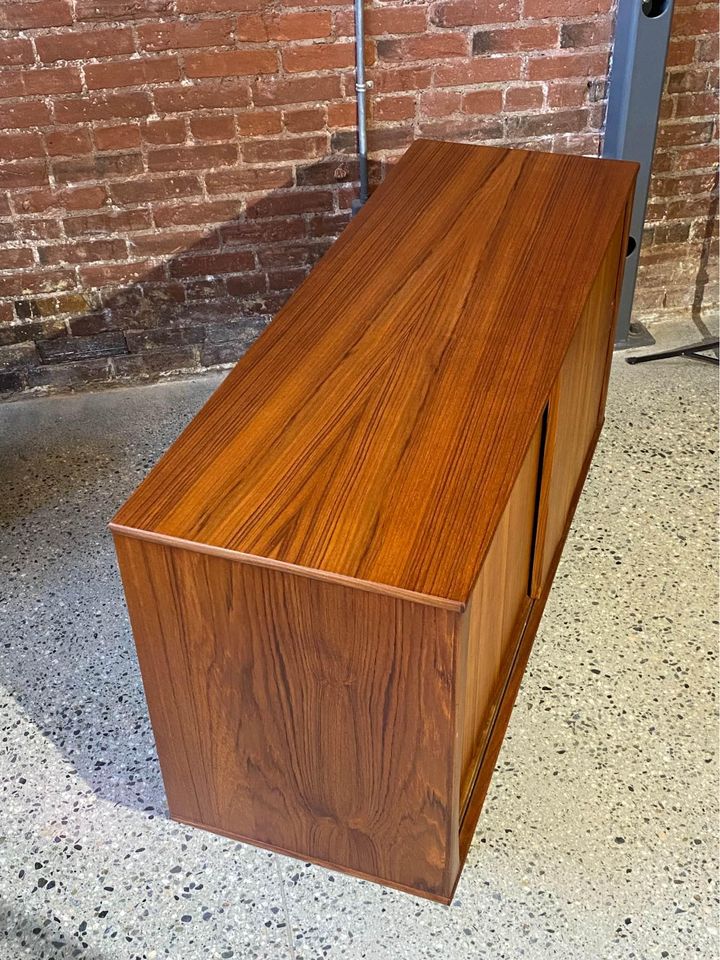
[335, 574]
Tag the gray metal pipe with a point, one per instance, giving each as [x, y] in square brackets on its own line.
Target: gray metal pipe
[360, 91]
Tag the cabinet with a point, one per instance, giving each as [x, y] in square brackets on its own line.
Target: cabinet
[335, 574]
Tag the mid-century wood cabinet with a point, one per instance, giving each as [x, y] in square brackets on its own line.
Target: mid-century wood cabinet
[335, 574]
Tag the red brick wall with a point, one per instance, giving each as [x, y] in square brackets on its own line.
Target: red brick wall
[171, 169]
[678, 273]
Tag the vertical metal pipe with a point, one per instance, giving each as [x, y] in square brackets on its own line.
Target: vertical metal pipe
[642, 34]
[360, 89]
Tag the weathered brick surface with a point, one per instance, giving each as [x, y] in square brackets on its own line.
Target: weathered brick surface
[678, 271]
[170, 170]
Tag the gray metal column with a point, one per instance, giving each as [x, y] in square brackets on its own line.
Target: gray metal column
[642, 34]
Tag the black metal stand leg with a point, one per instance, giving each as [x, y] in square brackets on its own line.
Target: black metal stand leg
[693, 351]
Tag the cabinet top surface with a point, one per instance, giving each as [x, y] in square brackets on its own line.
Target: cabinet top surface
[373, 432]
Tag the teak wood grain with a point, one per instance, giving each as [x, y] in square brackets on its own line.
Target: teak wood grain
[388, 405]
[335, 575]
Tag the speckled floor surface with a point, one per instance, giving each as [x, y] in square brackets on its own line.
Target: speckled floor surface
[599, 835]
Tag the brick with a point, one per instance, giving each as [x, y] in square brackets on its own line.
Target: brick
[148, 190]
[307, 58]
[64, 349]
[308, 25]
[573, 93]
[440, 103]
[118, 10]
[473, 13]
[696, 105]
[381, 138]
[192, 158]
[99, 167]
[251, 28]
[213, 128]
[250, 233]
[23, 173]
[681, 52]
[523, 98]
[545, 124]
[688, 81]
[479, 70]
[393, 108]
[279, 150]
[14, 53]
[707, 49]
[11, 382]
[132, 73]
[286, 279]
[684, 134]
[83, 252]
[121, 137]
[691, 158]
[233, 63]
[429, 47]
[17, 355]
[244, 179]
[695, 20]
[587, 33]
[512, 40]
[18, 146]
[304, 121]
[39, 82]
[176, 35]
[29, 113]
[206, 95]
[27, 229]
[567, 65]
[109, 223]
[269, 92]
[89, 325]
[395, 20]
[13, 257]
[212, 264]
[184, 214]
[540, 9]
[26, 16]
[462, 129]
[328, 225]
[103, 106]
[147, 339]
[243, 285]
[482, 102]
[158, 132]
[168, 244]
[217, 6]
[77, 198]
[396, 79]
[292, 202]
[21, 283]
[694, 184]
[256, 123]
[343, 114]
[68, 143]
[97, 275]
[84, 46]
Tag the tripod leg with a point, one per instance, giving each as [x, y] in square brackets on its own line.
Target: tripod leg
[691, 350]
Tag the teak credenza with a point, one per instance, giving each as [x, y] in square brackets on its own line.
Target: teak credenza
[335, 574]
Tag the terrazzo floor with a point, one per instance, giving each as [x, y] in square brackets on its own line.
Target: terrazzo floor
[599, 835]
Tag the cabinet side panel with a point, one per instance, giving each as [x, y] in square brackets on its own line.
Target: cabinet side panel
[306, 716]
[580, 394]
[494, 617]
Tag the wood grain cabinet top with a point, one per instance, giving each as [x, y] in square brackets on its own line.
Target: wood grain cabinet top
[389, 405]
[334, 576]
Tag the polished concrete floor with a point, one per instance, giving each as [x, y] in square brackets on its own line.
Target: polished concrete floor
[599, 836]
